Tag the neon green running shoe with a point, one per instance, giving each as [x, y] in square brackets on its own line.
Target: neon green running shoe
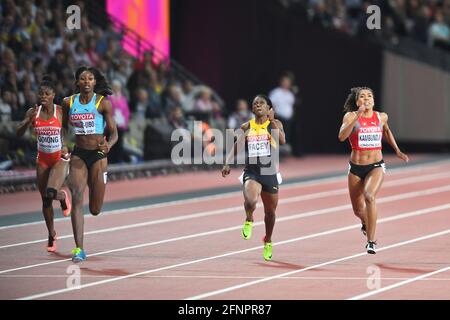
[247, 230]
[78, 255]
[267, 251]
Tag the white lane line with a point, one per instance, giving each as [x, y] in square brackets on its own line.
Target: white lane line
[211, 277]
[232, 288]
[311, 196]
[288, 218]
[399, 284]
[190, 200]
[392, 172]
[315, 235]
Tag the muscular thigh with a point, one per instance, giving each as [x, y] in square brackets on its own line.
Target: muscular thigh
[78, 174]
[42, 175]
[58, 174]
[252, 190]
[356, 191]
[373, 181]
[270, 200]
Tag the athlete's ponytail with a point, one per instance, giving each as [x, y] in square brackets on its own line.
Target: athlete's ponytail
[101, 85]
[350, 103]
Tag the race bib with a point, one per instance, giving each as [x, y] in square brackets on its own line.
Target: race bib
[48, 139]
[258, 145]
[83, 123]
[369, 137]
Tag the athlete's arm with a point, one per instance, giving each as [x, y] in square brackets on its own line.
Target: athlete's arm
[389, 137]
[30, 115]
[240, 139]
[64, 128]
[277, 125]
[348, 123]
[106, 109]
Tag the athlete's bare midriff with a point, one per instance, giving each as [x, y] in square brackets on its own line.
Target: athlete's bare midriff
[89, 142]
[365, 157]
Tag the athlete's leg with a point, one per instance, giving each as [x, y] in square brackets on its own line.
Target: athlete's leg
[58, 174]
[372, 185]
[77, 183]
[97, 185]
[270, 201]
[42, 175]
[356, 191]
[252, 190]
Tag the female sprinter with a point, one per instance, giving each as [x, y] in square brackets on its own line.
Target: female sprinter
[260, 176]
[88, 113]
[365, 129]
[52, 160]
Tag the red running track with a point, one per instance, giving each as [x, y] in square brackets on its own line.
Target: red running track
[193, 249]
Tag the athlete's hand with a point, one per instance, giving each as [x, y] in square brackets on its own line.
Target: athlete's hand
[402, 156]
[225, 170]
[271, 114]
[65, 153]
[361, 110]
[104, 146]
[33, 114]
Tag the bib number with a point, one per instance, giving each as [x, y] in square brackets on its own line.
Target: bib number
[369, 140]
[259, 148]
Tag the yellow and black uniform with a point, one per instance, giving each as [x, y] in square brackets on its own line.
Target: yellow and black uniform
[261, 157]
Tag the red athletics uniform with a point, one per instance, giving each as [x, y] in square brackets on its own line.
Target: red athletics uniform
[48, 136]
[367, 133]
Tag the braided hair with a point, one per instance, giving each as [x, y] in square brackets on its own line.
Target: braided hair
[350, 103]
[101, 86]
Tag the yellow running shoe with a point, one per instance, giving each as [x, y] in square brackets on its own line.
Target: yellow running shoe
[267, 251]
[247, 230]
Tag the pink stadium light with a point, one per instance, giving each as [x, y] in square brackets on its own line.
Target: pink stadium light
[148, 18]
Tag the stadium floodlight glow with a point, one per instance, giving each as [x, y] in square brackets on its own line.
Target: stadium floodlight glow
[150, 19]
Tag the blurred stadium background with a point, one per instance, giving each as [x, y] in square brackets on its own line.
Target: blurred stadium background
[171, 62]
